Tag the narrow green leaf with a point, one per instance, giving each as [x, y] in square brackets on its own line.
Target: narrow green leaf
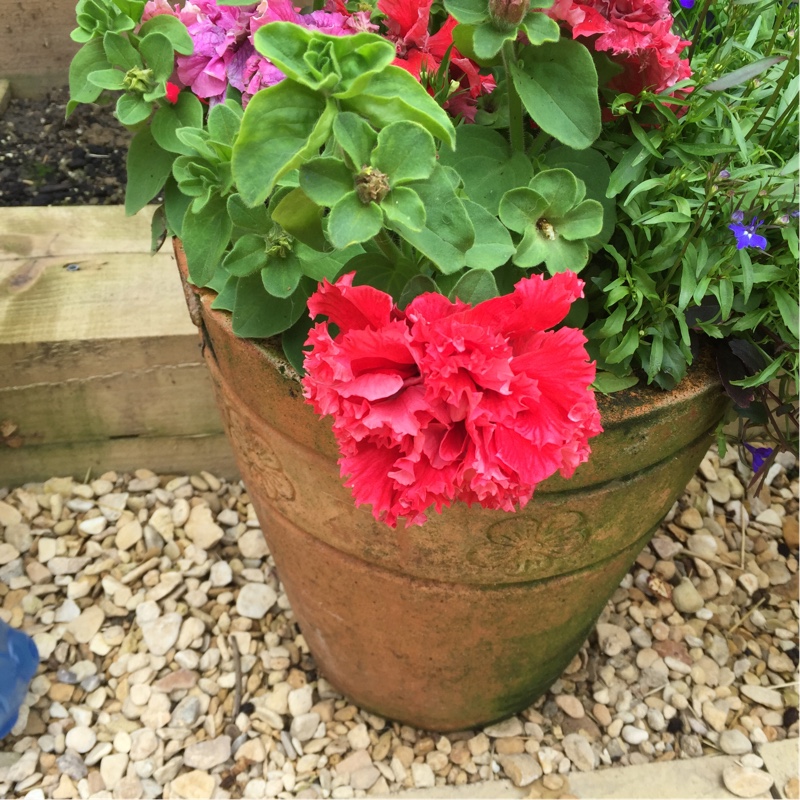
[741, 76]
[607, 383]
[148, 167]
[205, 237]
[111, 79]
[613, 324]
[747, 273]
[788, 309]
[626, 348]
[643, 138]
[120, 52]
[725, 296]
[664, 216]
[156, 49]
[688, 285]
[355, 136]
[629, 169]
[656, 353]
[223, 124]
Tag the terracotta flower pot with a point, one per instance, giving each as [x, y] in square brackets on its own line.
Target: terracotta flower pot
[470, 617]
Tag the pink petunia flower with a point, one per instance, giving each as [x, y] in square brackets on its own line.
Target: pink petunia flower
[447, 402]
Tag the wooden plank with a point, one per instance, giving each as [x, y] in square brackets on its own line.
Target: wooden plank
[160, 401]
[165, 455]
[26, 363]
[110, 296]
[100, 366]
[34, 231]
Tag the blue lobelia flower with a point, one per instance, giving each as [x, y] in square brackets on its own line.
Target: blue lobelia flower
[746, 235]
[760, 455]
[687, 3]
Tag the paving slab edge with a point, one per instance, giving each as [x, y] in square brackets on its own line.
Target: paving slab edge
[692, 779]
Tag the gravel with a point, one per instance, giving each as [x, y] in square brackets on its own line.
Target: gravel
[152, 597]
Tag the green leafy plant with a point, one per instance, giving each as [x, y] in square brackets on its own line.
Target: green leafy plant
[505, 139]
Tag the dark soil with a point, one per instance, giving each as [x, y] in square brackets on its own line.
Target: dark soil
[47, 160]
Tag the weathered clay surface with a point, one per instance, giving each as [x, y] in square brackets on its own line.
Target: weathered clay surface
[470, 617]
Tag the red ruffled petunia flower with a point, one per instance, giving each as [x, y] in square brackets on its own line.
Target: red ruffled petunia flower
[407, 22]
[448, 402]
[637, 35]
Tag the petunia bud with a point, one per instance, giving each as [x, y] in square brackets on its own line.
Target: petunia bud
[279, 243]
[508, 13]
[172, 92]
[138, 80]
[371, 185]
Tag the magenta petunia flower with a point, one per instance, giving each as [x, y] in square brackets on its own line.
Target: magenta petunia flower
[448, 402]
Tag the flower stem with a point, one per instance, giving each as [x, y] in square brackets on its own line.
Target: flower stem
[515, 128]
[776, 92]
[701, 20]
[387, 246]
[778, 27]
[700, 217]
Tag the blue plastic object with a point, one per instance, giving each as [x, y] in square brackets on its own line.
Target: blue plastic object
[18, 661]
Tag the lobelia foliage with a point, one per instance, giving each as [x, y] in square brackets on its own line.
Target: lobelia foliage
[458, 150]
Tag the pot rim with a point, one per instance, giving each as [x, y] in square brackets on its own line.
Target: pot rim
[638, 402]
